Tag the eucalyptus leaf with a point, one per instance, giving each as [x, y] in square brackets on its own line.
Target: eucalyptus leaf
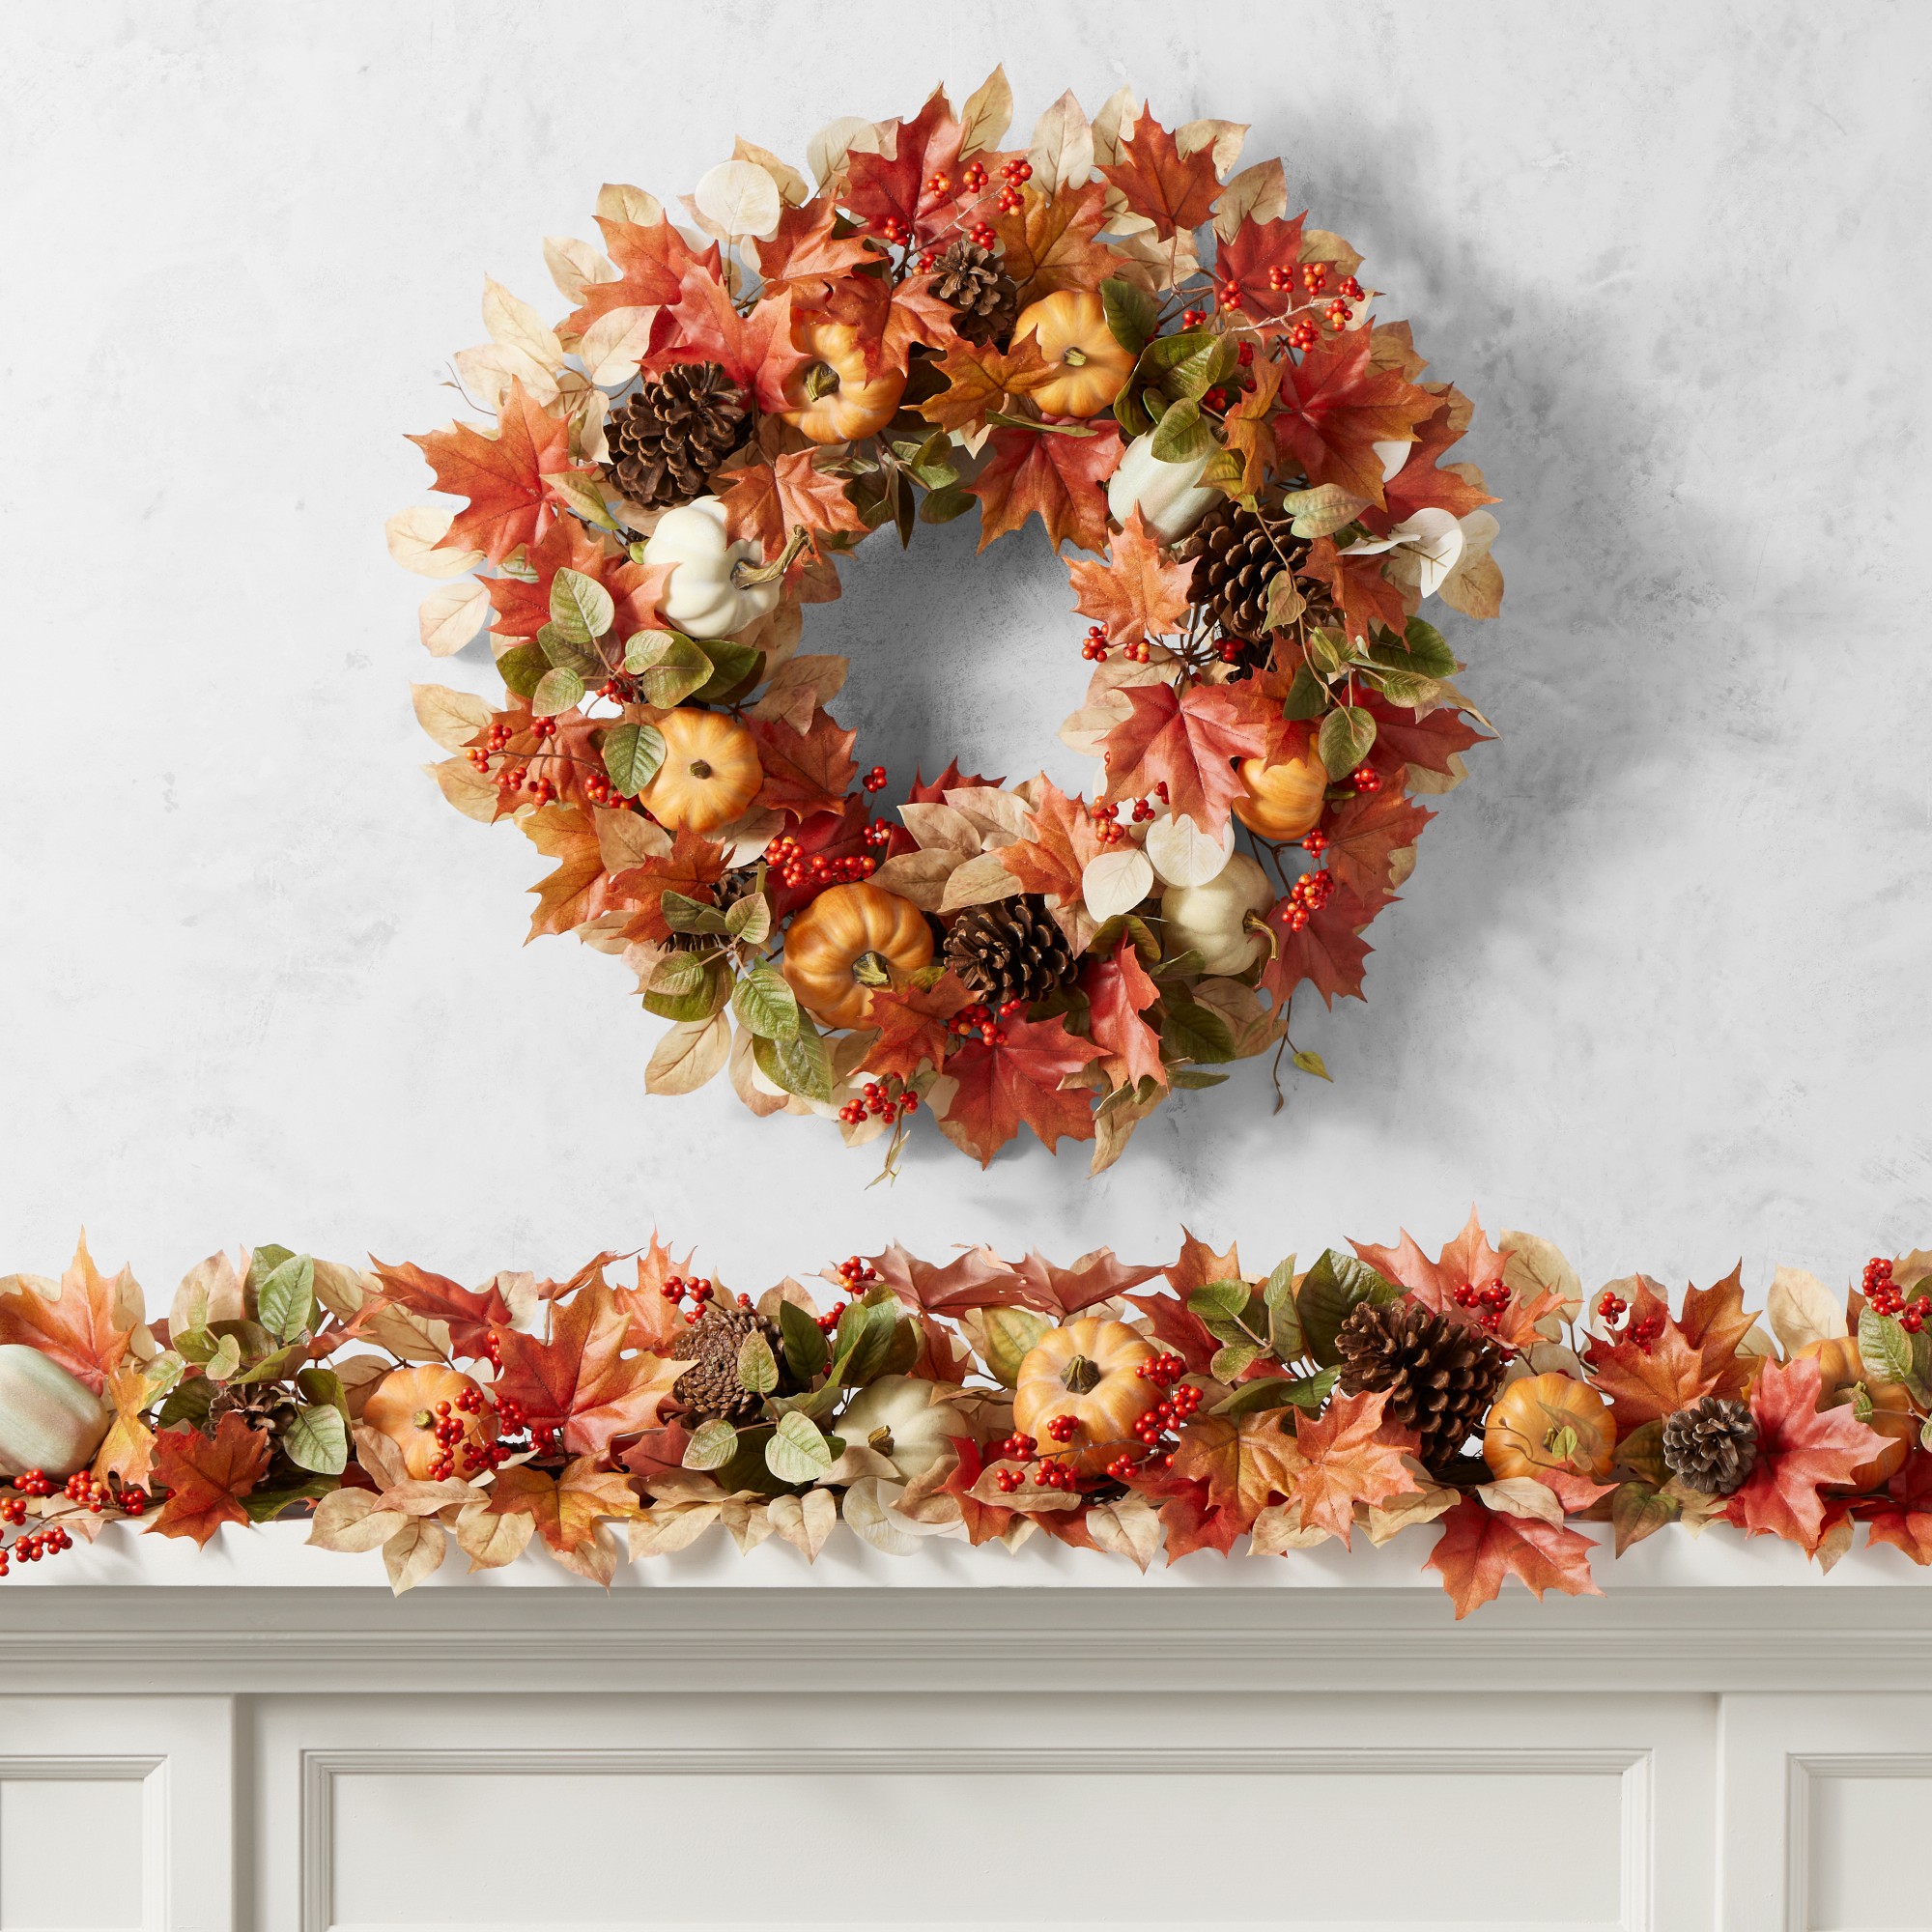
[711, 1445]
[806, 1349]
[766, 1006]
[734, 667]
[683, 914]
[568, 654]
[318, 1438]
[1347, 736]
[579, 606]
[748, 921]
[668, 666]
[1183, 434]
[1231, 1358]
[1010, 1333]
[522, 669]
[187, 1405]
[1884, 1346]
[223, 1365]
[1132, 312]
[757, 1365]
[798, 1061]
[1190, 1031]
[632, 757]
[697, 999]
[286, 1300]
[1307, 696]
[942, 506]
[798, 1451]
[1331, 1292]
[1284, 1318]
[557, 689]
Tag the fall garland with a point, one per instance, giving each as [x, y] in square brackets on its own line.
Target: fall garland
[1118, 1408]
[1170, 371]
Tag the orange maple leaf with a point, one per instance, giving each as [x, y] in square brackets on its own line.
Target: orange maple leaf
[1245, 429]
[1094, 1277]
[655, 1322]
[1468, 1262]
[1479, 1547]
[568, 1507]
[1064, 837]
[1903, 1518]
[1018, 1082]
[1058, 478]
[980, 378]
[522, 606]
[1421, 483]
[586, 1377]
[912, 1025]
[692, 866]
[1402, 738]
[501, 475]
[1649, 1379]
[580, 888]
[804, 255]
[128, 1451]
[1350, 1457]
[755, 349]
[1119, 992]
[1186, 741]
[1138, 592]
[651, 259]
[1800, 1447]
[1361, 588]
[1337, 404]
[470, 1313]
[1242, 1462]
[82, 1321]
[1049, 242]
[1328, 952]
[882, 185]
[767, 500]
[1365, 834]
[206, 1479]
[1175, 191]
[806, 772]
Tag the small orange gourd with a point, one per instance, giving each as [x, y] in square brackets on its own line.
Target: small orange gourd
[710, 773]
[1843, 1368]
[1094, 364]
[403, 1407]
[1086, 1370]
[840, 946]
[1283, 801]
[1549, 1422]
[853, 404]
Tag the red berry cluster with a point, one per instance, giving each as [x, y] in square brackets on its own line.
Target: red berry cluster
[1193, 318]
[1173, 1409]
[983, 233]
[1013, 1448]
[1304, 335]
[1306, 898]
[884, 1100]
[1049, 1473]
[1016, 173]
[1339, 314]
[1316, 842]
[857, 1272]
[1646, 1331]
[93, 1496]
[973, 179]
[517, 778]
[698, 1291]
[1064, 1427]
[1094, 648]
[875, 778]
[829, 1321]
[799, 869]
[1365, 778]
[1491, 1301]
[978, 1021]
[894, 229]
[35, 1545]
[599, 790]
[36, 1483]
[1886, 1297]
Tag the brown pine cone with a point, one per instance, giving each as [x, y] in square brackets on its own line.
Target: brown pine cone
[1711, 1445]
[710, 1387]
[982, 297]
[1441, 1375]
[1010, 949]
[667, 437]
[1236, 556]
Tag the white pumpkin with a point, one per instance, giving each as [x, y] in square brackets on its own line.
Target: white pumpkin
[906, 1421]
[1212, 918]
[1170, 497]
[48, 1419]
[705, 596]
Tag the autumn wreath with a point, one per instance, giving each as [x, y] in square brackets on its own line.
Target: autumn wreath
[1168, 369]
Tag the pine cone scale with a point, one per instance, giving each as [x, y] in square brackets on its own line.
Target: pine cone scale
[666, 440]
[1711, 1445]
[1440, 1375]
[982, 297]
[1009, 950]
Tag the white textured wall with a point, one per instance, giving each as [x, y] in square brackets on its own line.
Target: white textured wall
[1657, 988]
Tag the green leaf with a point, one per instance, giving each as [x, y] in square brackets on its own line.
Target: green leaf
[223, 1365]
[869, 1340]
[318, 1438]
[632, 756]
[1429, 650]
[1885, 1346]
[1642, 1450]
[1399, 687]
[1325, 652]
[286, 1300]
[1193, 1031]
[1193, 1079]
[323, 1386]
[1311, 1061]
[818, 1402]
[667, 666]
[757, 1365]
[734, 667]
[557, 689]
[266, 1505]
[567, 654]
[684, 987]
[1307, 696]
[1133, 313]
[1183, 434]
[805, 1349]
[1219, 1301]
[1636, 1510]
[1330, 1291]
[579, 606]
[1920, 1382]
[1347, 737]
[1231, 1358]
[187, 1405]
[711, 1445]
[522, 669]
[1005, 421]
[766, 1006]
[1010, 1333]
[1307, 1392]
[1283, 1318]
[263, 1261]
[1310, 1392]
[683, 914]
[798, 1451]
[799, 1063]
[1322, 511]
[942, 506]
[749, 920]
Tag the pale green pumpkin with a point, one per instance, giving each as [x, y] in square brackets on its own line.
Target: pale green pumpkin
[48, 1419]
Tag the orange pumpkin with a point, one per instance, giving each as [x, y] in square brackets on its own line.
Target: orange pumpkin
[1549, 1422]
[710, 773]
[1086, 1370]
[853, 404]
[404, 1407]
[1071, 330]
[1283, 800]
[840, 948]
[1842, 1368]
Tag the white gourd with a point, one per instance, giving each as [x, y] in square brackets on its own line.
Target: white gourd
[49, 1419]
[898, 1416]
[704, 597]
[1212, 918]
[1168, 496]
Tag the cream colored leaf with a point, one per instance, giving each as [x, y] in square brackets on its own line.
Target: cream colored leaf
[825, 153]
[380, 1459]
[1225, 137]
[986, 116]
[1423, 1504]
[452, 718]
[1802, 1310]
[618, 201]
[615, 344]
[211, 1290]
[1258, 193]
[689, 1055]
[1522, 1496]
[575, 266]
[1278, 1529]
[800, 686]
[942, 828]
[669, 1527]
[489, 369]
[1182, 854]
[412, 1552]
[792, 185]
[627, 838]
[491, 1541]
[467, 788]
[1115, 882]
[804, 1522]
[1062, 150]
[741, 197]
[349, 1521]
[976, 882]
[414, 1496]
[748, 1521]
[1535, 1266]
[1114, 123]
[414, 535]
[1130, 1528]
[452, 614]
[868, 1514]
[918, 877]
[514, 324]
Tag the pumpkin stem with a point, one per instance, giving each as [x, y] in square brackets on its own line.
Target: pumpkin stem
[1080, 1375]
[1074, 358]
[881, 1439]
[744, 574]
[870, 968]
[820, 379]
[699, 768]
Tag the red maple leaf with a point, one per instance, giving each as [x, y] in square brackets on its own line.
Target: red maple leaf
[1402, 738]
[949, 779]
[501, 475]
[470, 1313]
[978, 1278]
[1645, 1380]
[1064, 837]
[568, 757]
[884, 187]
[1190, 1520]
[1050, 243]
[692, 866]
[755, 349]
[804, 255]
[1350, 1457]
[1903, 1518]
[1119, 992]
[1328, 952]
[984, 1521]
[1421, 483]
[1017, 1083]
[912, 1025]
[1254, 251]
[651, 259]
[1058, 478]
[1365, 834]
[1186, 741]
[84, 1325]
[205, 1479]
[1362, 590]
[807, 771]
[1064, 1292]
[1468, 1262]
[766, 500]
[1479, 1547]
[582, 1377]
[1800, 1447]
[1137, 593]
[1337, 404]
[1175, 191]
